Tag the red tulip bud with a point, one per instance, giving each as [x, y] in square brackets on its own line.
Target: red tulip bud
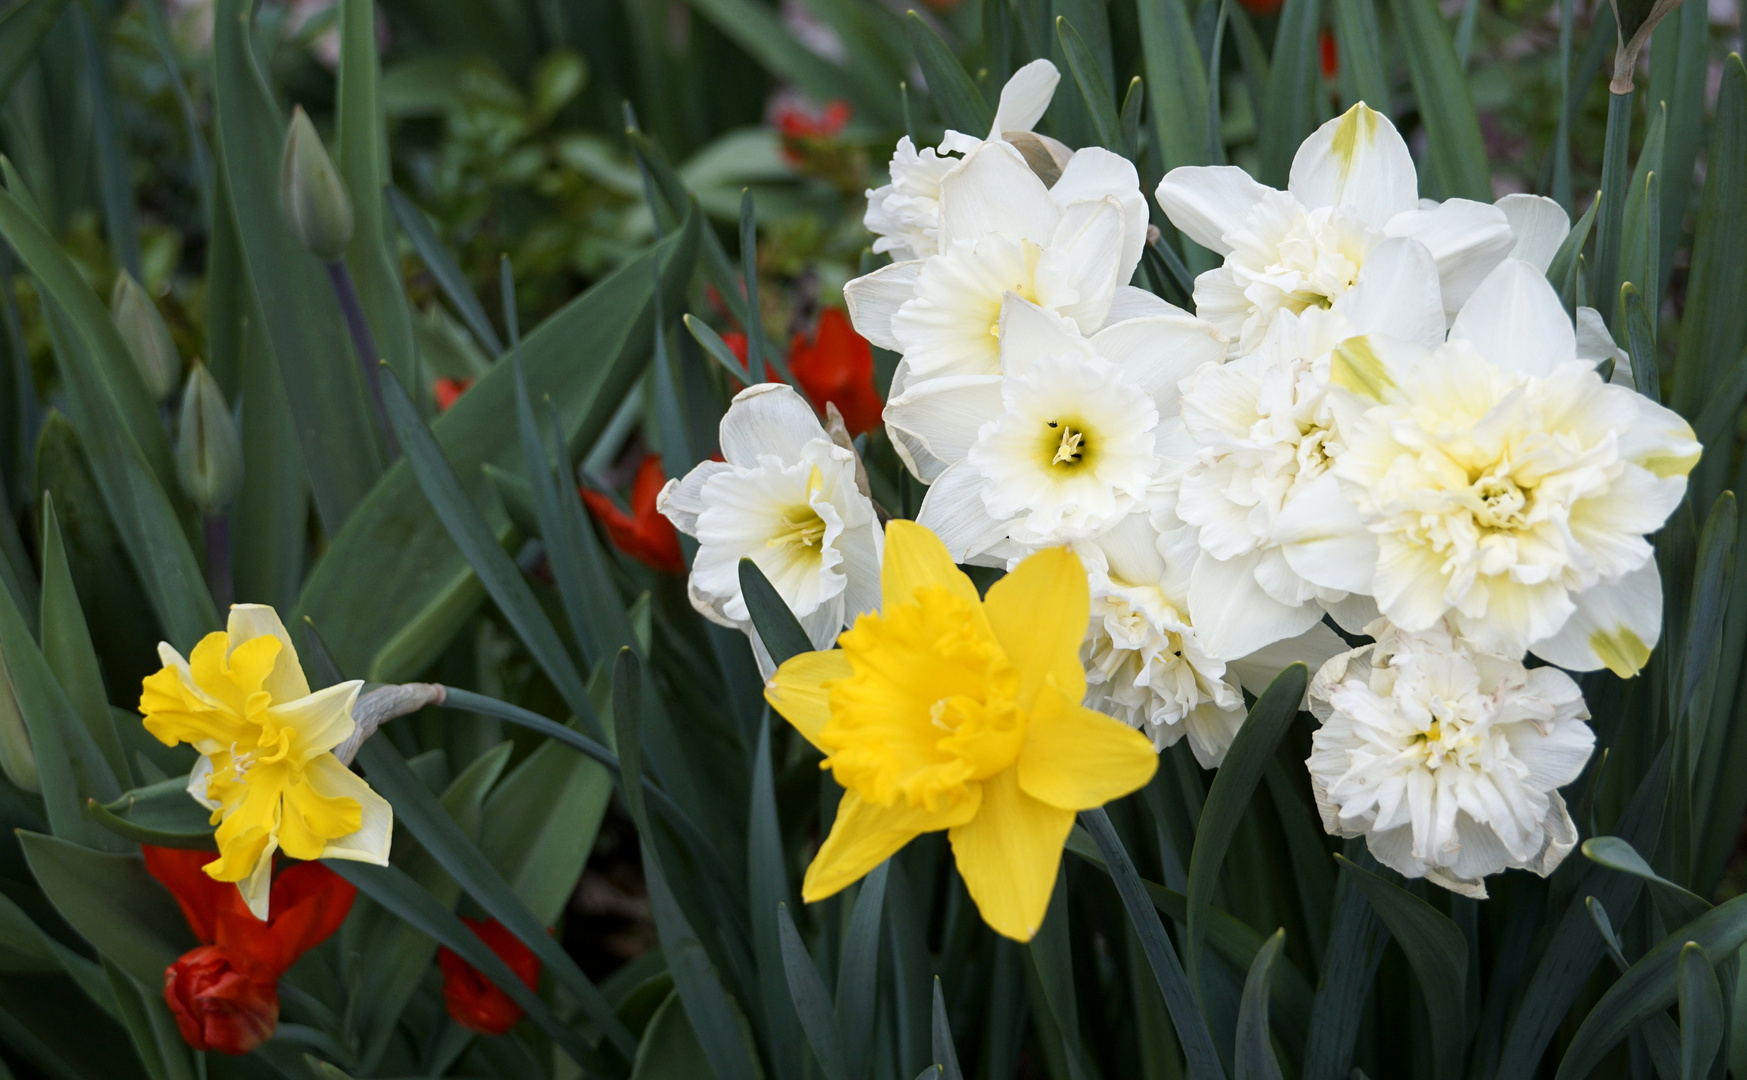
[218, 1002]
[472, 999]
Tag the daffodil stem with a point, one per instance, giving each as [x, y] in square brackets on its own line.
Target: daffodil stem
[1611, 221]
[217, 526]
[364, 344]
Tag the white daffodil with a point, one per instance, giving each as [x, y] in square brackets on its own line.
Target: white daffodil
[1070, 248]
[904, 214]
[1352, 186]
[1284, 543]
[786, 498]
[1446, 758]
[1509, 488]
[1062, 443]
[1144, 661]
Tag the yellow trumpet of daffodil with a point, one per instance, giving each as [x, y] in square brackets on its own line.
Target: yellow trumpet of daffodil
[267, 769]
[947, 711]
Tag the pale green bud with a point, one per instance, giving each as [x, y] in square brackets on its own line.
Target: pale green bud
[17, 757]
[209, 451]
[146, 335]
[311, 193]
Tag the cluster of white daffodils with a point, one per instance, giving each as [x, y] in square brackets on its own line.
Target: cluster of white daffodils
[1380, 418]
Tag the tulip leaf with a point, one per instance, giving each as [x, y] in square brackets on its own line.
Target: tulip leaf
[1254, 1057]
[1438, 954]
[1702, 1018]
[1678, 906]
[772, 618]
[392, 587]
[961, 105]
[322, 380]
[811, 999]
[163, 814]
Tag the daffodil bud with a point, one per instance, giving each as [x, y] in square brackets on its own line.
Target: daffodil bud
[17, 757]
[146, 335]
[311, 193]
[209, 451]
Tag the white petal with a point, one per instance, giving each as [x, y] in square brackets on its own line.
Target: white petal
[953, 509]
[993, 191]
[1615, 626]
[319, 721]
[874, 298]
[1357, 162]
[769, 418]
[1397, 294]
[1468, 239]
[1205, 202]
[682, 500]
[1158, 352]
[1025, 97]
[1231, 614]
[1595, 344]
[375, 833]
[1324, 539]
[199, 779]
[1540, 226]
[1133, 303]
[1095, 173]
[938, 420]
[1077, 275]
[1315, 647]
[286, 682]
[1516, 321]
[1353, 614]
[1030, 332]
[257, 888]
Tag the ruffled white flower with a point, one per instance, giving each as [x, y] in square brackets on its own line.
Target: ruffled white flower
[1352, 187]
[1062, 443]
[1070, 248]
[1512, 490]
[1446, 758]
[1284, 544]
[786, 498]
[904, 215]
[1144, 661]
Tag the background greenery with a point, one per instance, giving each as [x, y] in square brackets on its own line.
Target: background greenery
[603, 146]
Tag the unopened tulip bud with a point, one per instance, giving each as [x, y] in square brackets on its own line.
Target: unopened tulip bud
[220, 1001]
[146, 335]
[209, 451]
[311, 193]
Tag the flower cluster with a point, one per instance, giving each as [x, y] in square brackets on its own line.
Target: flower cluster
[1380, 418]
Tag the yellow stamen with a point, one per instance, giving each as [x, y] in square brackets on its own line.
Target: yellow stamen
[1068, 452]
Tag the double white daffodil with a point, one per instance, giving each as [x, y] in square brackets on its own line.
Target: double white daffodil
[1447, 758]
[786, 498]
[1352, 186]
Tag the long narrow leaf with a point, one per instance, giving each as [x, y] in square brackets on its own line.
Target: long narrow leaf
[1254, 1059]
[811, 999]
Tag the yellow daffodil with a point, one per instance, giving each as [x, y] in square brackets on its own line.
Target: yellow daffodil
[946, 711]
[267, 769]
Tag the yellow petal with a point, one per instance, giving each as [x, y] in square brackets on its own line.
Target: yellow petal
[320, 721]
[313, 817]
[1039, 614]
[374, 835]
[1076, 759]
[1008, 856]
[286, 681]
[799, 693]
[915, 557]
[866, 834]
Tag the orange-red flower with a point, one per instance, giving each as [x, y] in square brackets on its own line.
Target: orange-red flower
[837, 366]
[801, 126]
[223, 994]
[446, 390]
[472, 999]
[642, 534]
[1328, 54]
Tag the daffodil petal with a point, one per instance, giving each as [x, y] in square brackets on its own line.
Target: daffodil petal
[257, 887]
[373, 837]
[1077, 759]
[798, 690]
[1008, 855]
[1039, 614]
[319, 721]
[866, 834]
[914, 558]
[248, 621]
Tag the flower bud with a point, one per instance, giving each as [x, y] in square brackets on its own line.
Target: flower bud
[146, 335]
[209, 451]
[474, 1001]
[311, 194]
[220, 1001]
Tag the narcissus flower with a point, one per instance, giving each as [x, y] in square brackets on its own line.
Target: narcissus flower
[947, 711]
[836, 366]
[1509, 488]
[786, 498]
[474, 1001]
[266, 769]
[642, 534]
[1352, 186]
[1446, 758]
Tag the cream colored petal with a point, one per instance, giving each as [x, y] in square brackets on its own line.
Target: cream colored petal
[682, 500]
[1359, 163]
[874, 298]
[257, 887]
[1324, 539]
[1025, 97]
[1595, 344]
[1615, 626]
[320, 721]
[1231, 613]
[1468, 240]
[768, 419]
[1132, 303]
[375, 835]
[938, 419]
[1030, 332]
[1516, 321]
[1539, 224]
[1206, 202]
[1078, 273]
[1397, 294]
[954, 510]
[993, 191]
[1094, 173]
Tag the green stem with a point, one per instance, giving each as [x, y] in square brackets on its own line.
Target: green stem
[1613, 200]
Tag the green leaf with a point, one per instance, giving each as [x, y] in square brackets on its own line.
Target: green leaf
[22, 30]
[757, 30]
[112, 902]
[1712, 331]
[811, 999]
[1702, 1019]
[858, 973]
[1180, 998]
[442, 267]
[1099, 100]
[1438, 954]
[960, 104]
[1710, 600]
[1254, 1059]
[420, 812]
[66, 645]
[767, 877]
[163, 814]
[114, 175]
[776, 624]
[23, 947]
[1176, 84]
[944, 1050]
[322, 381]
[392, 587]
[1640, 251]
[1678, 906]
[1613, 194]
[1356, 941]
[1458, 155]
[150, 1025]
[1133, 102]
[1288, 114]
[1361, 54]
[547, 486]
[1562, 271]
[669, 1049]
[1230, 797]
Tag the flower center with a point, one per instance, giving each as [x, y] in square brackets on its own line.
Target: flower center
[801, 527]
[1500, 502]
[1065, 443]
